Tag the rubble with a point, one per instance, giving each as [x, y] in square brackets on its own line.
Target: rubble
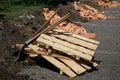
[107, 3]
[89, 12]
[67, 26]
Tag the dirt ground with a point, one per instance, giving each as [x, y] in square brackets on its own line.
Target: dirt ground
[19, 29]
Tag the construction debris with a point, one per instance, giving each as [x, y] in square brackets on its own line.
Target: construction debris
[89, 12]
[67, 26]
[65, 45]
[71, 54]
[107, 3]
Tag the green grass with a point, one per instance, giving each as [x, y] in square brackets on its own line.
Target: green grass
[15, 11]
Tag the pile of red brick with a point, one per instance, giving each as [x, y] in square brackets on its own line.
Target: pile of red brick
[89, 12]
[67, 26]
[107, 3]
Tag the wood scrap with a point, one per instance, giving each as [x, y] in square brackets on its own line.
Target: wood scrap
[77, 41]
[56, 55]
[77, 36]
[61, 66]
[70, 52]
[64, 53]
[64, 62]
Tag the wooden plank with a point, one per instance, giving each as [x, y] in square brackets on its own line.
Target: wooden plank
[59, 56]
[64, 49]
[32, 55]
[86, 66]
[67, 44]
[86, 39]
[77, 41]
[95, 64]
[77, 36]
[64, 58]
[74, 66]
[61, 66]
[61, 72]
[33, 47]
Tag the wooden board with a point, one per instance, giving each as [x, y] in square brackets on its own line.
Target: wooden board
[64, 49]
[73, 45]
[77, 36]
[85, 39]
[77, 41]
[86, 66]
[56, 55]
[67, 65]
[55, 62]
[77, 68]
[61, 66]
[67, 44]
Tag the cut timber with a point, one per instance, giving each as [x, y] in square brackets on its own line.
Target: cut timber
[68, 51]
[77, 36]
[33, 47]
[86, 66]
[86, 39]
[32, 55]
[77, 41]
[95, 64]
[65, 64]
[61, 72]
[64, 49]
[60, 65]
[59, 56]
[74, 66]
[77, 58]
[67, 44]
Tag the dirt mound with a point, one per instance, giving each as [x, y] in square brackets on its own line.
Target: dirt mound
[11, 32]
[69, 8]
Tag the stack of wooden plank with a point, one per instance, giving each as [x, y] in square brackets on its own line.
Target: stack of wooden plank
[72, 54]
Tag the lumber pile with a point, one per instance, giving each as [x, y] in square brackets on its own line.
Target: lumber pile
[65, 45]
[67, 26]
[72, 54]
[89, 12]
[107, 3]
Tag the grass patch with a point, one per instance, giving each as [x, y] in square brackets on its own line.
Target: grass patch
[14, 11]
